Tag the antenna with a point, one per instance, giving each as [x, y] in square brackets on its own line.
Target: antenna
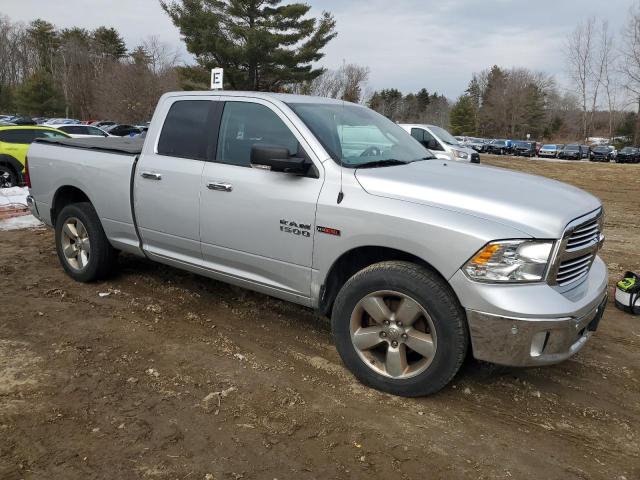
[344, 83]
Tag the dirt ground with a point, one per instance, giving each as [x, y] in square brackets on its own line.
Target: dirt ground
[174, 376]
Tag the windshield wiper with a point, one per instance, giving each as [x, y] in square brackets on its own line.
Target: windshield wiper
[382, 163]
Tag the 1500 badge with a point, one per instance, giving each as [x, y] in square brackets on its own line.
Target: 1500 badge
[300, 229]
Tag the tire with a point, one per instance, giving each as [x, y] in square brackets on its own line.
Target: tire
[89, 256]
[440, 318]
[9, 177]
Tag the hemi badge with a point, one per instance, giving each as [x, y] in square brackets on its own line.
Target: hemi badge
[329, 231]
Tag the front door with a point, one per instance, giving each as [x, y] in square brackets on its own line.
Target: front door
[255, 224]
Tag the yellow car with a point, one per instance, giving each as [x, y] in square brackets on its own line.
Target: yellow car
[14, 143]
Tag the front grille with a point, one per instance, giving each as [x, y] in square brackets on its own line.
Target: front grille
[578, 249]
[584, 235]
[572, 270]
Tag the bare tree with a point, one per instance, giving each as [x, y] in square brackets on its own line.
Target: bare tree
[161, 56]
[347, 83]
[630, 64]
[580, 53]
[608, 63]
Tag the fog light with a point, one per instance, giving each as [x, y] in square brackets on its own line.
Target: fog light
[538, 343]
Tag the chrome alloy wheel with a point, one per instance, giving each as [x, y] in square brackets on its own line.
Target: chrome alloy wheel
[393, 334]
[75, 244]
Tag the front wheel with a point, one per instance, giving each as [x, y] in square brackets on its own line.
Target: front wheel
[399, 328]
[83, 248]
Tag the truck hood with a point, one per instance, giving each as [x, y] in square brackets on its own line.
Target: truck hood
[537, 206]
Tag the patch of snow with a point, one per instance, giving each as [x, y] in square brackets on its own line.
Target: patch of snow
[14, 195]
[18, 223]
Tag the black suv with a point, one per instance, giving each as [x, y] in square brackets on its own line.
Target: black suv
[497, 147]
[601, 154]
[525, 149]
[571, 152]
[628, 155]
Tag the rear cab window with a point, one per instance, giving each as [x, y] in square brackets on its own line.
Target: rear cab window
[186, 131]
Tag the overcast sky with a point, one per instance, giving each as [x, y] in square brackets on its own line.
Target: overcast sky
[407, 44]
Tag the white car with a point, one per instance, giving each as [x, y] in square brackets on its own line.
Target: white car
[441, 143]
[55, 122]
[82, 131]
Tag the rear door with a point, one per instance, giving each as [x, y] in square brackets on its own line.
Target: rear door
[168, 179]
[257, 225]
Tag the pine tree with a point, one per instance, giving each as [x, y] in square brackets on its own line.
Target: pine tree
[45, 40]
[38, 95]
[261, 44]
[109, 43]
[462, 117]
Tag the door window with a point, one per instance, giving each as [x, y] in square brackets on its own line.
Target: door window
[244, 125]
[20, 136]
[185, 132]
[48, 134]
[426, 139]
[95, 131]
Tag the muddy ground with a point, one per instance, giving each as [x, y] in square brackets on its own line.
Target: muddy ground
[174, 376]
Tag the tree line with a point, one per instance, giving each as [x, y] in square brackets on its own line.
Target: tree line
[74, 72]
[276, 46]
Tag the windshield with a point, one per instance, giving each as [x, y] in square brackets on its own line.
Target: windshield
[627, 150]
[443, 135]
[571, 147]
[601, 149]
[355, 135]
[548, 147]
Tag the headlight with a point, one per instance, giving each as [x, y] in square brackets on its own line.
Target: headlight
[461, 154]
[510, 261]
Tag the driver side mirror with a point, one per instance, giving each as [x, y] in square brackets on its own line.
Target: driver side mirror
[278, 159]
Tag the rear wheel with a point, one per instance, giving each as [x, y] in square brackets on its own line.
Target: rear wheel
[82, 246]
[400, 329]
[8, 177]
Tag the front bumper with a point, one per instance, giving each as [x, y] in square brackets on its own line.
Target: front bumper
[534, 324]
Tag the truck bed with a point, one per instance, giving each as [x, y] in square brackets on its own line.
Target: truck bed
[100, 168]
[123, 145]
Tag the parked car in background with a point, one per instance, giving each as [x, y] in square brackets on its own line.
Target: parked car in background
[550, 150]
[441, 143]
[571, 152]
[497, 147]
[23, 120]
[586, 151]
[417, 260]
[601, 154]
[477, 144]
[524, 149]
[104, 124]
[5, 123]
[54, 122]
[123, 130]
[82, 131]
[628, 155]
[14, 143]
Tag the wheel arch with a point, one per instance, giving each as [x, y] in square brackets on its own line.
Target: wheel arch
[354, 260]
[66, 195]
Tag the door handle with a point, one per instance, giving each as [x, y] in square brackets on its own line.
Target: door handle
[151, 175]
[220, 186]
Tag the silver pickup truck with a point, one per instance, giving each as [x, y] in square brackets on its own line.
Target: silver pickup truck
[332, 206]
